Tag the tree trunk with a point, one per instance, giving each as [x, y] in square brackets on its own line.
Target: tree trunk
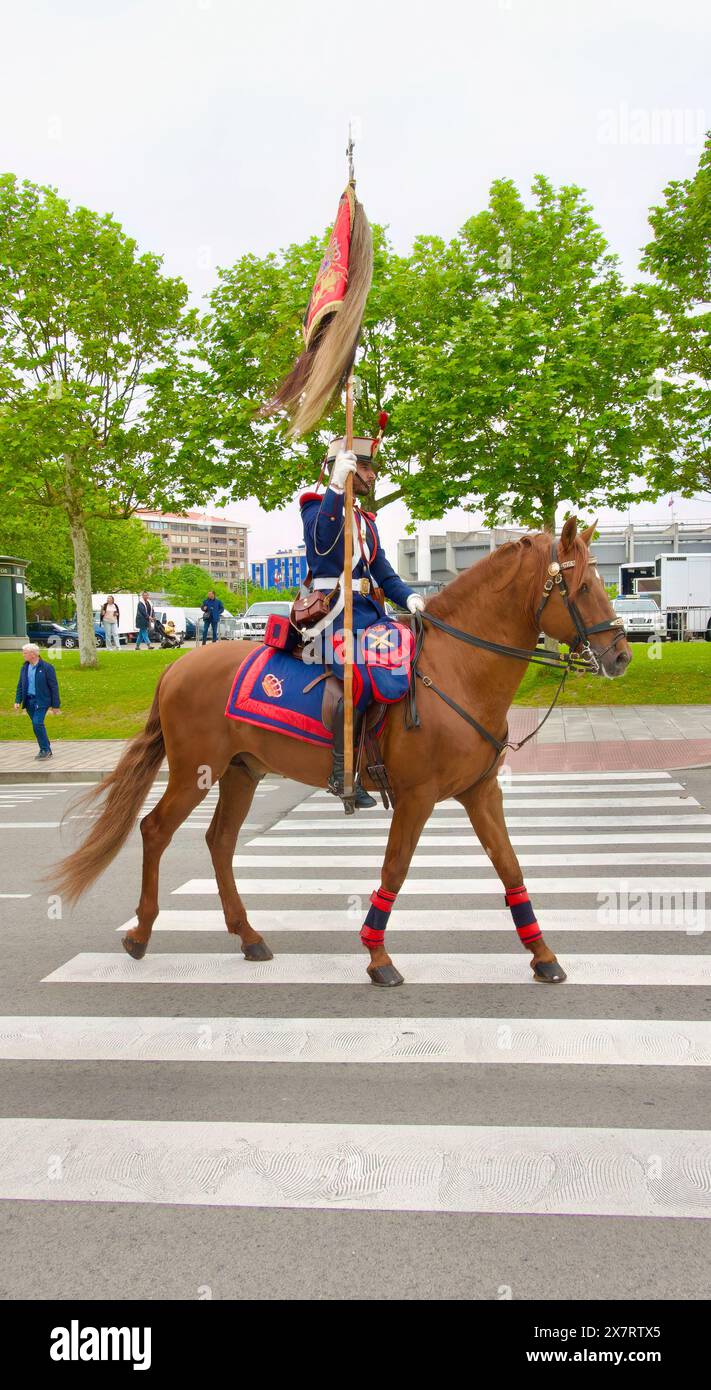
[550, 644]
[82, 591]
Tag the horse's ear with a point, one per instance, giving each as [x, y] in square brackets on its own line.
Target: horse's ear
[569, 532]
[587, 535]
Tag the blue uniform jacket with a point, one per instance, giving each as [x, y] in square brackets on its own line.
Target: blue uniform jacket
[46, 687]
[322, 517]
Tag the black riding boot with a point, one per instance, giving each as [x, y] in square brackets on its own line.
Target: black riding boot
[335, 782]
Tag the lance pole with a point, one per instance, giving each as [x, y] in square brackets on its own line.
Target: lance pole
[348, 635]
[348, 777]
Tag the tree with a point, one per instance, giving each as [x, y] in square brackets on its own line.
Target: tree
[248, 342]
[92, 335]
[124, 555]
[189, 584]
[678, 257]
[516, 365]
[533, 361]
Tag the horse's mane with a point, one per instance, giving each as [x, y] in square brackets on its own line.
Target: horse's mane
[494, 572]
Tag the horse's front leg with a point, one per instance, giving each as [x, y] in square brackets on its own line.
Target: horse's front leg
[408, 819]
[485, 807]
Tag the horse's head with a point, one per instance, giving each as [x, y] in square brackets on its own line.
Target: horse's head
[573, 605]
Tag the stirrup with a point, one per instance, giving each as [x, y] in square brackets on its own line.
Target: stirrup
[361, 798]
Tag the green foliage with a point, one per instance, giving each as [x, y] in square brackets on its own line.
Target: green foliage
[124, 555]
[188, 585]
[250, 340]
[679, 256]
[533, 363]
[515, 363]
[91, 336]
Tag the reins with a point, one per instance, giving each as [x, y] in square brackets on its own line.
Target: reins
[586, 660]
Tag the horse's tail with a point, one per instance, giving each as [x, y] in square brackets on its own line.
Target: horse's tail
[124, 790]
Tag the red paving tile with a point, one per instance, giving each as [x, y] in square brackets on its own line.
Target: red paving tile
[618, 756]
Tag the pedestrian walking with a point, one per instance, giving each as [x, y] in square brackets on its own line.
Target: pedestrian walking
[144, 618]
[109, 619]
[38, 693]
[211, 609]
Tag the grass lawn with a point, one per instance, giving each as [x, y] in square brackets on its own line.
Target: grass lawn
[110, 701]
[680, 675]
[113, 700]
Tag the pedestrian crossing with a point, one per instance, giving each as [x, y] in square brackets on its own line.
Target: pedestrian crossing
[620, 869]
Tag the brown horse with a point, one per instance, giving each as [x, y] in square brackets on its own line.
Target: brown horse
[507, 598]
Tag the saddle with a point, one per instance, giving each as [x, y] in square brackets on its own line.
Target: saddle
[279, 687]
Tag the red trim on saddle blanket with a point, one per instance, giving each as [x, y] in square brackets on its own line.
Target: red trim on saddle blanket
[248, 705]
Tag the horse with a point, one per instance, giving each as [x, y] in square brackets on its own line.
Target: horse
[477, 629]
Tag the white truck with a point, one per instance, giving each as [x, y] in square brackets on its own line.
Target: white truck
[685, 594]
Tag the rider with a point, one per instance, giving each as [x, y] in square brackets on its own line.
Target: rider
[373, 576]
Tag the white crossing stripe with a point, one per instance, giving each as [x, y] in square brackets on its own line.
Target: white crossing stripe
[417, 887]
[93, 967]
[508, 775]
[30, 825]
[467, 1168]
[477, 859]
[512, 787]
[552, 837]
[511, 1041]
[336, 809]
[678, 916]
[355, 826]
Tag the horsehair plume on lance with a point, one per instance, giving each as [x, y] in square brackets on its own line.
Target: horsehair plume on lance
[383, 418]
[323, 366]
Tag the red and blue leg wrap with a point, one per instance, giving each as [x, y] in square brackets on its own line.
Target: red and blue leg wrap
[519, 904]
[373, 929]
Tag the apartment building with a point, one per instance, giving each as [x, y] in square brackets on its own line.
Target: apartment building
[284, 569]
[215, 542]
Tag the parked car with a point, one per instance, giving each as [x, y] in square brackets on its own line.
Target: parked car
[193, 624]
[47, 634]
[252, 624]
[227, 626]
[642, 618]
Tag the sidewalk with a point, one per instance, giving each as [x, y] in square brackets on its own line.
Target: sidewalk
[596, 738]
[608, 738]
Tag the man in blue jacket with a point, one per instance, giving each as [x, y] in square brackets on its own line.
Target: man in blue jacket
[372, 579]
[211, 609]
[38, 693]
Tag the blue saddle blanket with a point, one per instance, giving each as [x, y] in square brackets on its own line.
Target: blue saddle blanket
[275, 690]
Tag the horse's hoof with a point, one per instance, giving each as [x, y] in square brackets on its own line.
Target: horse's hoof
[385, 975]
[136, 949]
[257, 950]
[549, 972]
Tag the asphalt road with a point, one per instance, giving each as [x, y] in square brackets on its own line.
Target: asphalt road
[263, 1174]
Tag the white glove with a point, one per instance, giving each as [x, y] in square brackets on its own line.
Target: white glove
[415, 603]
[345, 464]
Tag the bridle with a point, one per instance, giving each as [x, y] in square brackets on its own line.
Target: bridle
[580, 657]
[582, 647]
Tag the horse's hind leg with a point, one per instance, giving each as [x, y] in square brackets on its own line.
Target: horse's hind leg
[484, 804]
[237, 787]
[181, 797]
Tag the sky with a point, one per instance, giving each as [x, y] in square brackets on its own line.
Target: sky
[211, 128]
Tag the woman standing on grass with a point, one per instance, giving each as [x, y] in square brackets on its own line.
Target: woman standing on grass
[109, 618]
